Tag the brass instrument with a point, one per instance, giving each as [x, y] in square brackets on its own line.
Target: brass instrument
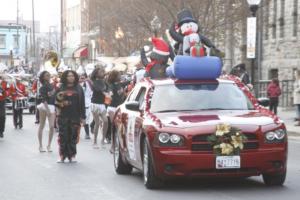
[52, 57]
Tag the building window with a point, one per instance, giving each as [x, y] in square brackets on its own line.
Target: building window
[16, 41]
[267, 14]
[295, 18]
[2, 41]
[273, 73]
[281, 19]
[274, 19]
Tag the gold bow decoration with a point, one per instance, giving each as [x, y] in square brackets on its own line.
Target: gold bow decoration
[227, 140]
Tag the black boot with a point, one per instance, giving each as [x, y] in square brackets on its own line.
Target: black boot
[1, 135]
[87, 132]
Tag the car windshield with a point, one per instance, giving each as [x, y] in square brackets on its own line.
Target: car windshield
[191, 97]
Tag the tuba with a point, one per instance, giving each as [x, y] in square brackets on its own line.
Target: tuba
[52, 57]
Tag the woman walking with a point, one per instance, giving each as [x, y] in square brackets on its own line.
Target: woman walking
[87, 89]
[98, 107]
[297, 95]
[71, 104]
[274, 92]
[46, 109]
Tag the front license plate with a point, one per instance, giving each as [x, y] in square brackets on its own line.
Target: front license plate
[228, 162]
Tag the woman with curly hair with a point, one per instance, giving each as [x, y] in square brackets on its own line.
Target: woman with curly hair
[46, 109]
[98, 106]
[118, 96]
[71, 104]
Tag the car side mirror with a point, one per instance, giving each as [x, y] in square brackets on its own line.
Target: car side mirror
[263, 101]
[132, 105]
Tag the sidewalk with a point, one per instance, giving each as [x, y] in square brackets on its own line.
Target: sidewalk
[288, 115]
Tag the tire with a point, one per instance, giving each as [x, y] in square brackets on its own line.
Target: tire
[274, 179]
[151, 181]
[120, 166]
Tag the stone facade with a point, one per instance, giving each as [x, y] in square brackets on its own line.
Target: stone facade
[281, 39]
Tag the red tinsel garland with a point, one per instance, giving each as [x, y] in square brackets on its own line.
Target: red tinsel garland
[247, 92]
[153, 117]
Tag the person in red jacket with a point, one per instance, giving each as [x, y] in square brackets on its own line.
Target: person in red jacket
[4, 92]
[274, 92]
[18, 92]
[35, 88]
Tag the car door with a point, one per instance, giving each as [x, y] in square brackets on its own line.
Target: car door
[134, 129]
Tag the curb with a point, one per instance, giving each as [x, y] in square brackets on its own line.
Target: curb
[294, 134]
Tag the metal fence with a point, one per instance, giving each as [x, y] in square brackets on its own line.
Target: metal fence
[287, 88]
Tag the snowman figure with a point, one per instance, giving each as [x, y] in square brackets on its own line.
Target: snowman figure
[181, 32]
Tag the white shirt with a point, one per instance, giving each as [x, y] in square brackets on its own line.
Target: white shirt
[139, 75]
[88, 93]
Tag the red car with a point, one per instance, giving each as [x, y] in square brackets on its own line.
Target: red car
[163, 127]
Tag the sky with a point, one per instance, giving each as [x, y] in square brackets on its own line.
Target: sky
[46, 11]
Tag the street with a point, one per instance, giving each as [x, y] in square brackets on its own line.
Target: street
[26, 174]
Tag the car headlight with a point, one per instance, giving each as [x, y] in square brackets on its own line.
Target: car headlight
[175, 139]
[167, 139]
[164, 138]
[270, 136]
[275, 136]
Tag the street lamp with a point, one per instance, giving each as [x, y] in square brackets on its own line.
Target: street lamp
[155, 25]
[251, 35]
[119, 34]
[253, 6]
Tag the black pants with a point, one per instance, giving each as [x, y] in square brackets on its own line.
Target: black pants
[2, 124]
[274, 104]
[109, 130]
[68, 137]
[18, 116]
[2, 116]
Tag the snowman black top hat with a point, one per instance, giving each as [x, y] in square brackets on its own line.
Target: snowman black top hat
[185, 16]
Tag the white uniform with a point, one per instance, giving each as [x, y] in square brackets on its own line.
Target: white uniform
[88, 93]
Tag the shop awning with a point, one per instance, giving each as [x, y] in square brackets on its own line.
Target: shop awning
[81, 52]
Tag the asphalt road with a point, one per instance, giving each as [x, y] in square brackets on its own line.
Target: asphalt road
[26, 174]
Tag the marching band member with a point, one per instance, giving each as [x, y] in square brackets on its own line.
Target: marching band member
[4, 91]
[70, 102]
[101, 92]
[18, 92]
[46, 109]
[35, 90]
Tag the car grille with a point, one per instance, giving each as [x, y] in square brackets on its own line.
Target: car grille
[200, 143]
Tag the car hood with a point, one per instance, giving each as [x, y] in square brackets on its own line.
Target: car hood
[211, 118]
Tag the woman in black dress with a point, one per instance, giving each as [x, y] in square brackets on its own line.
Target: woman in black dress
[71, 114]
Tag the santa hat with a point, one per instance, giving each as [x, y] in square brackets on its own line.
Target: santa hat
[160, 47]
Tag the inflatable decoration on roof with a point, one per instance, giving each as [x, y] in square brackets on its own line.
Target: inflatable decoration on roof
[195, 68]
[184, 31]
[159, 57]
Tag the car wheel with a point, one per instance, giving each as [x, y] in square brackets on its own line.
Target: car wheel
[151, 181]
[120, 166]
[274, 179]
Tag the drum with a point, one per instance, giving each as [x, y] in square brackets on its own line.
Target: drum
[21, 103]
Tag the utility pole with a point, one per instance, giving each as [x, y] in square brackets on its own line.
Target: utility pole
[33, 30]
[61, 27]
[17, 26]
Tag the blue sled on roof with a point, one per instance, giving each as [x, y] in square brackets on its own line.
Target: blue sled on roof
[195, 68]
